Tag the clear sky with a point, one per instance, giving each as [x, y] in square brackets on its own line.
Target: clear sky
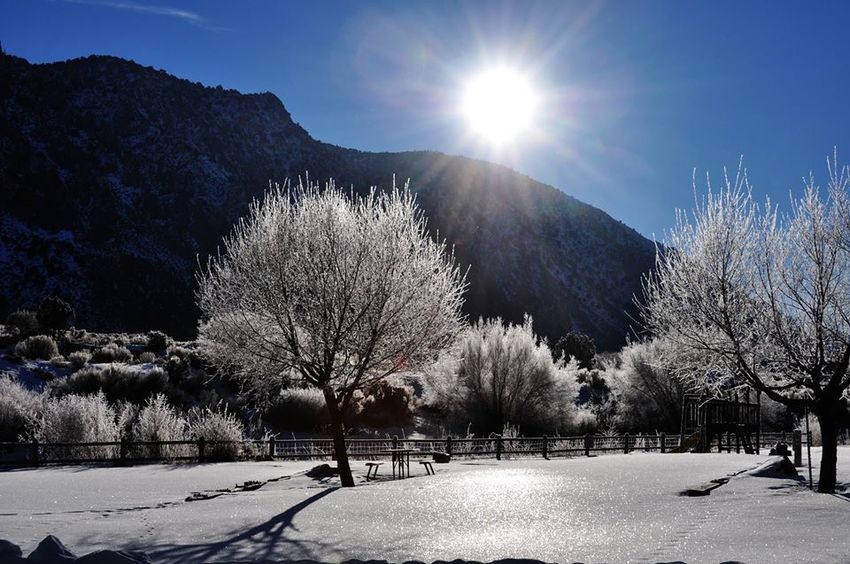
[631, 96]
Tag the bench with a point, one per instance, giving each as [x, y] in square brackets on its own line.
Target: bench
[429, 469]
[440, 457]
[372, 469]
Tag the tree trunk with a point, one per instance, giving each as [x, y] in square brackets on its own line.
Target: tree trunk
[338, 434]
[826, 415]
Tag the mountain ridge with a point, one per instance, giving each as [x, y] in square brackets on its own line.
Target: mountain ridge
[114, 177]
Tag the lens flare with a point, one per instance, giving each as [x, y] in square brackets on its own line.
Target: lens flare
[499, 104]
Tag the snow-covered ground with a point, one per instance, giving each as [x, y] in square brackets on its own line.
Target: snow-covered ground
[614, 508]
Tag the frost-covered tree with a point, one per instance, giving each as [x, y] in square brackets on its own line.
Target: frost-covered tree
[336, 291]
[503, 374]
[749, 296]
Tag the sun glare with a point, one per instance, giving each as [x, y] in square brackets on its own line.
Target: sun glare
[499, 104]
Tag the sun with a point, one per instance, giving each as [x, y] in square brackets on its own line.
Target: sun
[499, 105]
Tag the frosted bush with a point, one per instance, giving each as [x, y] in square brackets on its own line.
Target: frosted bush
[37, 347]
[158, 421]
[59, 362]
[217, 427]
[157, 341]
[79, 419]
[182, 353]
[502, 373]
[127, 418]
[19, 409]
[78, 359]
[147, 357]
[24, 320]
[112, 352]
[585, 421]
[648, 395]
[117, 381]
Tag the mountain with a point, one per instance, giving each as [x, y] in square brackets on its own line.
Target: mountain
[116, 179]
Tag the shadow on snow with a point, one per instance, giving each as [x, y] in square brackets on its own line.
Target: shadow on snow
[265, 540]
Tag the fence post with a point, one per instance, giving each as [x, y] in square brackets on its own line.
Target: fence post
[123, 451]
[202, 444]
[498, 447]
[35, 452]
[626, 443]
[738, 443]
[545, 447]
[758, 422]
[588, 444]
[271, 448]
[663, 439]
[449, 446]
[798, 448]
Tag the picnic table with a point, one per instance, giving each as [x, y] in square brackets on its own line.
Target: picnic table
[400, 459]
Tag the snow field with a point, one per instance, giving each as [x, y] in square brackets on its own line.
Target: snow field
[617, 508]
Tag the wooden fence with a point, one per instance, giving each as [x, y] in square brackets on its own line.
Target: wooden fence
[127, 452]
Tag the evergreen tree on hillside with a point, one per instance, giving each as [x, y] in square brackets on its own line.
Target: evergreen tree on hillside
[578, 346]
[55, 314]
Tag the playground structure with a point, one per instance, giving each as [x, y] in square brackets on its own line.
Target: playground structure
[709, 420]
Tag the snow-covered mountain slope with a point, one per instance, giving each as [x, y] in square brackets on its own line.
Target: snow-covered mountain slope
[115, 179]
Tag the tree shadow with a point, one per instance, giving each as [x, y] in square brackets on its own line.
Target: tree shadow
[266, 538]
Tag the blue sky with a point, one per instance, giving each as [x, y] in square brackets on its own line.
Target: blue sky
[634, 95]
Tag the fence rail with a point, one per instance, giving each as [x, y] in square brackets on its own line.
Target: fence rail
[126, 452]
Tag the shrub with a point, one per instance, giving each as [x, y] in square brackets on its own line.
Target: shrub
[78, 359]
[502, 374]
[24, 320]
[158, 421]
[388, 403]
[648, 395]
[8, 335]
[19, 409]
[297, 409]
[138, 340]
[218, 426]
[128, 418]
[585, 421]
[55, 314]
[75, 419]
[147, 357]
[177, 351]
[112, 353]
[157, 341]
[118, 382]
[60, 362]
[40, 347]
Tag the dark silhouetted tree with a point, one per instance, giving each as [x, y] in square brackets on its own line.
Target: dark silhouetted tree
[55, 314]
[578, 346]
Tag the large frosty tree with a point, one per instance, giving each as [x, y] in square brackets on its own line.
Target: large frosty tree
[749, 296]
[334, 291]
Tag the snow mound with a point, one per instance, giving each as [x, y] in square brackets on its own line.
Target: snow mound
[775, 467]
[322, 471]
[52, 551]
[458, 561]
